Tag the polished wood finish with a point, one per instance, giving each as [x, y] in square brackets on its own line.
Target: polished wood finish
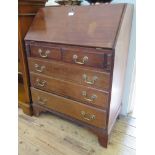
[23, 85]
[95, 58]
[48, 52]
[70, 108]
[96, 47]
[26, 11]
[21, 97]
[120, 62]
[56, 70]
[70, 90]
[94, 26]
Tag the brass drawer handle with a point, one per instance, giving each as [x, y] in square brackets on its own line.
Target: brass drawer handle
[87, 116]
[86, 80]
[91, 99]
[45, 55]
[40, 83]
[39, 68]
[84, 60]
[41, 101]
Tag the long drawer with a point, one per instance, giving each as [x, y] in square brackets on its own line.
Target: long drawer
[70, 90]
[82, 112]
[86, 76]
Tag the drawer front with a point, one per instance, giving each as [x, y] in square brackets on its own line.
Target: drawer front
[46, 52]
[82, 112]
[81, 75]
[87, 57]
[70, 90]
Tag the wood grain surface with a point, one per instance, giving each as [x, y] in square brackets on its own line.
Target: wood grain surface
[48, 52]
[53, 24]
[71, 73]
[70, 108]
[50, 135]
[71, 90]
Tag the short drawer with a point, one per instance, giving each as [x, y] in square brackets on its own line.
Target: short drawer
[88, 57]
[45, 52]
[70, 90]
[77, 110]
[95, 78]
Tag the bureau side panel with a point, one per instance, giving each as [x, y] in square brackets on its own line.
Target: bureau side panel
[120, 62]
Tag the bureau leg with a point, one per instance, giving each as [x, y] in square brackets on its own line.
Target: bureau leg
[37, 110]
[103, 140]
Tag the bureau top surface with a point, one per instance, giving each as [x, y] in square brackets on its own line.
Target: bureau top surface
[92, 26]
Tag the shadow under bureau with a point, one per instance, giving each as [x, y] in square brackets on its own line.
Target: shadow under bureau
[77, 60]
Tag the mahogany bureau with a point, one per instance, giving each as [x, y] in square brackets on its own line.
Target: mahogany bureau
[77, 58]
